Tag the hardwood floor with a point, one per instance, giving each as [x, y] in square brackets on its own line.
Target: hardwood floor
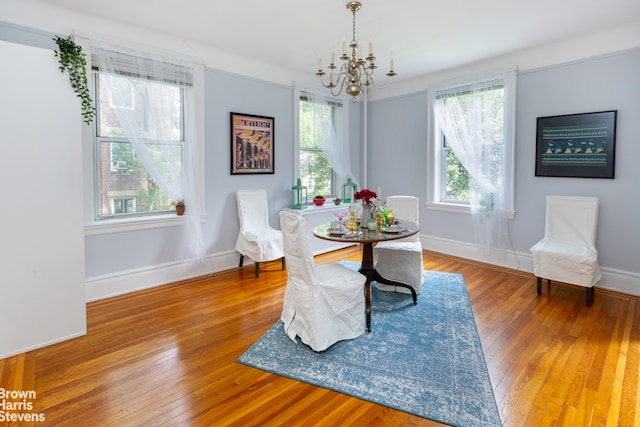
[166, 357]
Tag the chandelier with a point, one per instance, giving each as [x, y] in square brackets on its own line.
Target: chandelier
[356, 73]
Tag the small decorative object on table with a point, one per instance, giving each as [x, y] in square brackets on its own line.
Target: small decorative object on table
[318, 200]
[179, 205]
[380, 220]
[367, 197]
[352, 224]
[391, 218]
[337, 201]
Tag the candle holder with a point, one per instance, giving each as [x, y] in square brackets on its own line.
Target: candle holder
[379, 221]
[299, 198]
[352, 224]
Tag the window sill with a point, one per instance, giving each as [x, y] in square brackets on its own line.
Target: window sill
[327, 207]
[460, 209]
[110, 226]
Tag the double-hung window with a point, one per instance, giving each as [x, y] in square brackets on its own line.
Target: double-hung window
[318, 120]
[471, 157]
[149, 107]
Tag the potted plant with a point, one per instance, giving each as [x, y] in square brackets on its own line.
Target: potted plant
[337, 201]
[318, 200]
[179, 205]
[73, 60]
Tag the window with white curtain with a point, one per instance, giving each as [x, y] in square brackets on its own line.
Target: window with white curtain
[148, 141]
[314, 166]
[473, 123]
[472, 153]
[120, 169]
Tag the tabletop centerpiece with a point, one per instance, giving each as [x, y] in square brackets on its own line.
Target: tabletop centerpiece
[366, 197]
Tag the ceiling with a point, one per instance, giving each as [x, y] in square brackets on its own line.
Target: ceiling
[423, 36]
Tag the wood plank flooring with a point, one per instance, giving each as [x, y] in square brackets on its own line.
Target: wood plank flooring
[166, 357]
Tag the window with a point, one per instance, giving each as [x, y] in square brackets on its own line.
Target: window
[315, 171]
[472, 156]
[123, 204]
[121, 171]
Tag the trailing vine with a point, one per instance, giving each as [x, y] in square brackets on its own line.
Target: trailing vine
[73, 61]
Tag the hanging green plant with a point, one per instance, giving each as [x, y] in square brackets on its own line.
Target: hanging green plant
[73, 61]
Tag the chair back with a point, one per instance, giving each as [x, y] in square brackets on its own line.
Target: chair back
[405, 207]
[572, 219]
[301, 267]
[253, 210]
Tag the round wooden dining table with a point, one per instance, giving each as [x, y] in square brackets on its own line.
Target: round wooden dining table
[367, 238]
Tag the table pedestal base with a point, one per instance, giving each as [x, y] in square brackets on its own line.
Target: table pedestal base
[367, 269]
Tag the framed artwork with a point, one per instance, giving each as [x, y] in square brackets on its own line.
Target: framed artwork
[576, 145]
[252, 140]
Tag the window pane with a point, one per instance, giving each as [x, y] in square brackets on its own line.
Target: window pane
[309, 134]
[157, 107]
[457, 179]
[315, 172]
[125, 186]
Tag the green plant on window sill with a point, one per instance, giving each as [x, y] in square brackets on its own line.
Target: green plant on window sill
[179, 205]
[73, 60]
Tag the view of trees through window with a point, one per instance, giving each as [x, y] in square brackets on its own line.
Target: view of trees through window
[315, 170]
[455, 176]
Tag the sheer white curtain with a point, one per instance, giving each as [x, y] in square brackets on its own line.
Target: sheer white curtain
[331, 131]
[472, 118]
[162, 129]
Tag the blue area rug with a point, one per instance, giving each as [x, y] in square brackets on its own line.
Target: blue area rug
[423, 359]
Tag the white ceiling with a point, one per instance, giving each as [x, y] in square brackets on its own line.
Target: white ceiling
[423, 36]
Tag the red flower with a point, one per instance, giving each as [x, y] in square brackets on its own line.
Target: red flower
[367, 196]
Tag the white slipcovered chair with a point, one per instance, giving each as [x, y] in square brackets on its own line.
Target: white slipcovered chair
[401, 259]
[323, 303]
[257, 239]
[567, 253]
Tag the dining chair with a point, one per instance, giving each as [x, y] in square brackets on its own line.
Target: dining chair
[256, 238]
[567, 252]
[401, 259]
[323, 303]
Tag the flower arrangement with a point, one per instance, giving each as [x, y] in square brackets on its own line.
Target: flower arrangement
[367, 196]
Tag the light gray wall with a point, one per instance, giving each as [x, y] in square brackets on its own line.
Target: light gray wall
[227, 93]
[601, 84]
[604, 83]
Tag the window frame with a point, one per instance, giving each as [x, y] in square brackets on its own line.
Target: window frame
[154, 220]
[436, 159]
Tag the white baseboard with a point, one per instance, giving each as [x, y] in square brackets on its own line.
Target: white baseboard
[613, 280]
[158, 275]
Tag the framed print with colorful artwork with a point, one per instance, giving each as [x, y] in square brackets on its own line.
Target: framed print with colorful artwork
[576, 145]
[252, 150]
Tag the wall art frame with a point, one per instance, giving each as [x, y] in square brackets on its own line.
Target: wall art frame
[576, 145]
[252, 144]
